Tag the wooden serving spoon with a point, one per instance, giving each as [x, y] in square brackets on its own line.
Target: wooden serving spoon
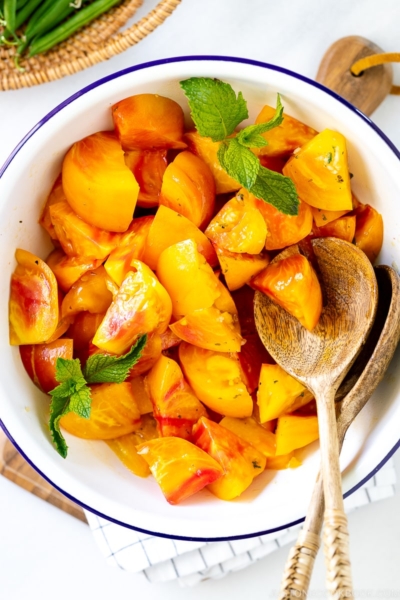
[361, 381]
[320, 360]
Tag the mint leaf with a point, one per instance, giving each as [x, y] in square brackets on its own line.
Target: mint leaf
[80, 402]
[101, 368]
[215, 109]
[67, 369]
[239, 162]
[251, 136]
[276, 189]
[58, 407]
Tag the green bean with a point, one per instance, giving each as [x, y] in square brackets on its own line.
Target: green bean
[48, 19]
[10, 13]
[65, 30]
[23, 15]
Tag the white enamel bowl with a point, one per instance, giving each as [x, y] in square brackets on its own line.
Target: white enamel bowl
[91, 474]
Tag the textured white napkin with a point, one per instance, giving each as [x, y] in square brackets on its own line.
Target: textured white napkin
[162, 559]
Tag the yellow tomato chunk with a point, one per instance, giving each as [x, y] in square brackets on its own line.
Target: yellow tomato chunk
[253, 433]
[187, 277]
[180, 468]
[294, 432]
[210, 328]
[287, 461]
[240, 461]
[239, 268]
[169, 228]
[279, 393]
[113, 413]
[320, 172]
[125, 446]
[216, 380]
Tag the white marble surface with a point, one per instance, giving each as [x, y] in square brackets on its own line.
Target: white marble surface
[45, 553]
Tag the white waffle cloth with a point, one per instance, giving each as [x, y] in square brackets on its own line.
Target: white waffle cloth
[162, 559]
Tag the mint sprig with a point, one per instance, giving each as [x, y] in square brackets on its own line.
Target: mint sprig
[73, 393]
[216, 112]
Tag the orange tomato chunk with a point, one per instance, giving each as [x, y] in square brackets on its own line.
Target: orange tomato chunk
[40, 360]
[279, 393]
[78, 238]
[253, 433]
[238, 227]
[148, 122]
[68, 269]
[216, 380]
[148, 168]
[98, 185]
[180, 468]
[141, 306]
[176, 408]
[240, 461]
[132, 246]
[33, 305]
[320, 172]
[239, 268]
[113, 413]
[294, 432]
[284, 230]
[285, 138]
[90, 293]
[210, 328]
[187, 277]
[170, 227]
[293, 284]
[207, 150]
[369, 231]
[188, 188]
[125, 446]
[56, 195]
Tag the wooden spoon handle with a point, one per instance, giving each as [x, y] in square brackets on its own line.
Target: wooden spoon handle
[336, 549]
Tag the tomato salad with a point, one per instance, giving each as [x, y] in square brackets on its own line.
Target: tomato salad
[158, 251]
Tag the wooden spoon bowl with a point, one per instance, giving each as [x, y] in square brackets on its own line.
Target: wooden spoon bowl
[320, 360]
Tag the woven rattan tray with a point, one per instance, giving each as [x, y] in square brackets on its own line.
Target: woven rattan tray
[98, 41]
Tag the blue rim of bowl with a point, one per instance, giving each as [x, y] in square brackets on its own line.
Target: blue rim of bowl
[140, 67]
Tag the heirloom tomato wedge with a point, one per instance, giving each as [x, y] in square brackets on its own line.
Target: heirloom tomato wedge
[279, 393]
[254, 434]
[239, 268]
[90, 293]
[125, 446]
[293, 432]
[40, 360]
[98, 185]
[285, 138]
[369, 231]
[180, 468]
[238, 226]
[148, 122]
[148, 168]
[188, 188]
[240, 461]
[33, 305]
[56, 195]
[140, 306]
[68, 269]
[293, 284]
[176, 408]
